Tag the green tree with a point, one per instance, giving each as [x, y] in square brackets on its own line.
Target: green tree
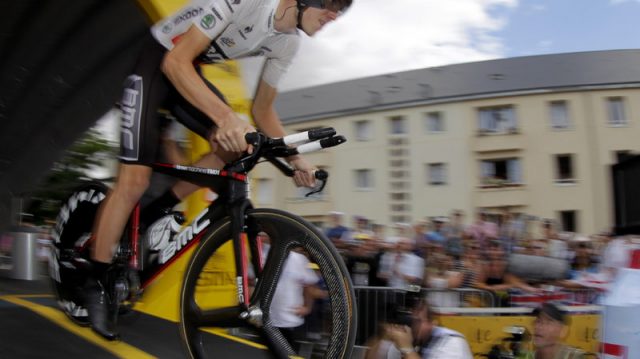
[85, 155]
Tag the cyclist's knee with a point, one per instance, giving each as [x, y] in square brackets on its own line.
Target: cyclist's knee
[132, 181]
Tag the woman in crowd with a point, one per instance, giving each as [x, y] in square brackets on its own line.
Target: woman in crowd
[494, 275]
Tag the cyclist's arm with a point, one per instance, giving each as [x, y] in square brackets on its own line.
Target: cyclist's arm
[268, 121]
[265, 113]
[178, 67]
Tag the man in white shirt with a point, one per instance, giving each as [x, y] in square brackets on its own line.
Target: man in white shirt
[402, 268]
[294, 296]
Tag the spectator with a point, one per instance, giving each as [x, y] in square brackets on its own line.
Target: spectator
[549, 327]
[420, 234]
[584, 272]
[402, 268]
[470, 265]
[360, 232]
[482, 230]
[424, 339]
[511, 230]
[556, 242]
[336, 230]
[363, 260]
[615, 254]
[440, 276]
[454, 233]
[495, 277]
[437, 235]
[293, 299]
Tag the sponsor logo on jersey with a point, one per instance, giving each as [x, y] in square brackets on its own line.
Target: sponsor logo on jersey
[188, 14]
[216, 13]
[248, 29]
[228, 41]
[212, 55]
[229, 6]
[208, 21]
[167, 28]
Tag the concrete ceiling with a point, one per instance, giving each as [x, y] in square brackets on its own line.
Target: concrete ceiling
[62, 64]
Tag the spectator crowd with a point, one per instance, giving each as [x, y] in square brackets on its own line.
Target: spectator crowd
[510, 255]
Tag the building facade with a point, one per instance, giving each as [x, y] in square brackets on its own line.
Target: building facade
[534, 135]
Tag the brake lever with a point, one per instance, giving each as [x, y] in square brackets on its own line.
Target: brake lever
[322, 176]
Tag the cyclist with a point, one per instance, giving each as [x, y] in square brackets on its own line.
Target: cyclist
[167, 74]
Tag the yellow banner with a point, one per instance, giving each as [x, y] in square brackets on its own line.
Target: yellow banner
[482, 332]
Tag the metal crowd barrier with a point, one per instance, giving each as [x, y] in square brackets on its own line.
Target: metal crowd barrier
[378, 304]
[570, 297]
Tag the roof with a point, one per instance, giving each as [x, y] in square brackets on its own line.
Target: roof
[462, 81]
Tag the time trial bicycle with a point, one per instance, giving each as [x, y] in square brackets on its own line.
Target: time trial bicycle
[231, 218]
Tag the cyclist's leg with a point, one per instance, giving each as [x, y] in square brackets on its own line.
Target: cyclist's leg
[132, 181]
[200, 124]
[143, 93]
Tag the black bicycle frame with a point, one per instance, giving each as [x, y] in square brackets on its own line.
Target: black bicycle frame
[232, 188]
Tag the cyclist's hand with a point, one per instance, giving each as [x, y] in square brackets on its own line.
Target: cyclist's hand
[304, 175]
[230, 135]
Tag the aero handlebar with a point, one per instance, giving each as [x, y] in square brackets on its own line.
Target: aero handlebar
[273, 149]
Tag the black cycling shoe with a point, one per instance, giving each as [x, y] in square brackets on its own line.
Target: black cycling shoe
[97, 304]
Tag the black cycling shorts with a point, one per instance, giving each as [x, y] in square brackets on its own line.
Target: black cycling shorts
[145, 92]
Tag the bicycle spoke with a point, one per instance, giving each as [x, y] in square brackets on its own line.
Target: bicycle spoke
[277, 342]
[265, 287]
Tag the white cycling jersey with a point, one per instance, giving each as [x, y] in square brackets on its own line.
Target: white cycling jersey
[237, 29]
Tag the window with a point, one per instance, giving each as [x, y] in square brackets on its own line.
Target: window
[564, 169]
[500, 172]
[364, 179]
[398, 141]
[400, 219]
[615, 107]
[398, 163]
[500, 119]
[363, 130]
[399, 174]
[400, 207]
[399, 185]
[399, 196]
[559, 114]
[398, 152]
[436, 174]
[434, 122]
[398, 125]
[264, 191]
[569, 221]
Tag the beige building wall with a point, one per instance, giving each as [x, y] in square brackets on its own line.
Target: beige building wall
[590, 140]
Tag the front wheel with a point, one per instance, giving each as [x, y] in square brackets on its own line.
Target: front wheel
[302, 267]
